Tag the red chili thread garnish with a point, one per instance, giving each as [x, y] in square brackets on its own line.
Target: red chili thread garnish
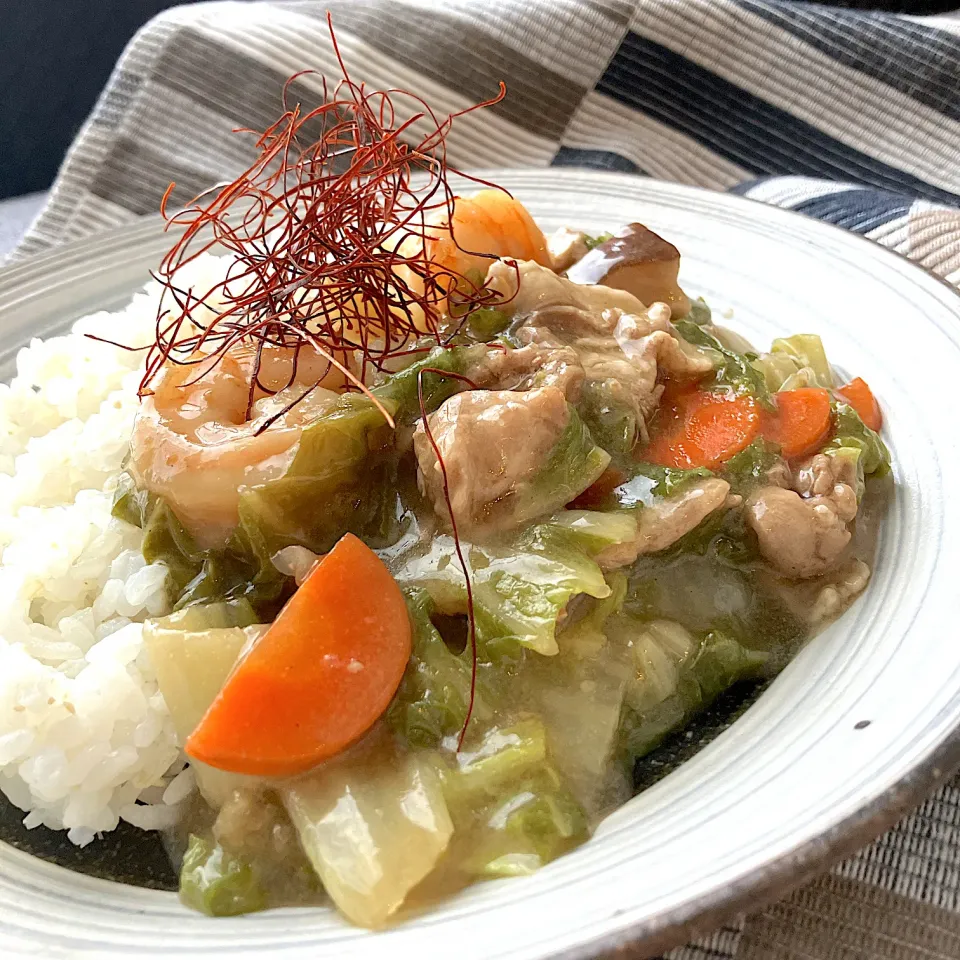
[471, 613]
[330, 240]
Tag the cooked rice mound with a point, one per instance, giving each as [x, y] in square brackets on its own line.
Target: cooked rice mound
[85, 737]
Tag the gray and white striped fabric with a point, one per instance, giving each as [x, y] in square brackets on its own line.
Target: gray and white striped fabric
[848, 116]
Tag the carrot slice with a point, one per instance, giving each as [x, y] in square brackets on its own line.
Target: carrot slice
[861, 398]
[702, 429]
[801, 424]
[318, 678]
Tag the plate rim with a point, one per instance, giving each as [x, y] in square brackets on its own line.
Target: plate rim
[767, 882]
[15, 267]
[772, 882]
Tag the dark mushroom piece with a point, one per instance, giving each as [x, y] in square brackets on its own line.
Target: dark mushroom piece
[639, 261]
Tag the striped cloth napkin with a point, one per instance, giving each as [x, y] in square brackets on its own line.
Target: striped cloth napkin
[848, 116]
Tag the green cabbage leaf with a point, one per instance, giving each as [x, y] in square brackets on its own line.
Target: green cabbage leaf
[520, 587]
[851, 432]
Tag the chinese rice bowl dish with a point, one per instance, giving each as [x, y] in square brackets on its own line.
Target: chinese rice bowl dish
[362, 603]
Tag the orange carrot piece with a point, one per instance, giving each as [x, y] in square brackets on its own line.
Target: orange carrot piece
[861, 398]
[702, 429]
[319, 678]
[801, 424]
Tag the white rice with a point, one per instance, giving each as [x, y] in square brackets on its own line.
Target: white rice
[85, 737]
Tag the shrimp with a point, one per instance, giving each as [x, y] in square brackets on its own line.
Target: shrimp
[192, 441]
[489, 222]
[488, 226]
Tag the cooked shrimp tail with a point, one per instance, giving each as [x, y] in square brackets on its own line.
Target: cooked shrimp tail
[460, 244]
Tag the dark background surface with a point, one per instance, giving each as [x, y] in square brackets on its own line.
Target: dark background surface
[56, 56]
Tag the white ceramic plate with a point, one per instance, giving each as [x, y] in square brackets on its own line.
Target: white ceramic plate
[791, 786]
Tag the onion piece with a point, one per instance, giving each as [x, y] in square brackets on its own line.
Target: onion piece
[296, 562]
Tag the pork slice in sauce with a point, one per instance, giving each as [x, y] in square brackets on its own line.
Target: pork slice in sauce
[640, 354]
[833, 478]
[528, 367]
[574, 310]
[664, 522]
[803, 531]
[612, 335]
[847, 582]
[494, 443]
